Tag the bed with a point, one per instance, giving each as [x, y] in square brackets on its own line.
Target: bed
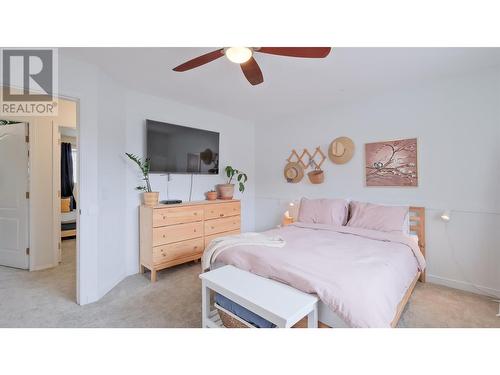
[368, 287]
[68, 224]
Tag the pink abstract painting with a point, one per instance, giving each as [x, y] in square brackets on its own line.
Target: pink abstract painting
[392, 163]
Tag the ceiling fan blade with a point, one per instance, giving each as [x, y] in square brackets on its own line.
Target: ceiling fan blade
[309, 52]
[200, 60]
[252, 71]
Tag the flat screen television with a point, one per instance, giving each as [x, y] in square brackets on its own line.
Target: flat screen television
[180, 149]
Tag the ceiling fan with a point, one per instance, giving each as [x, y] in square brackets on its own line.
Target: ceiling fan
[244, 57]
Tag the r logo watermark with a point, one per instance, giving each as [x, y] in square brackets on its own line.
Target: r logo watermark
[29, 82]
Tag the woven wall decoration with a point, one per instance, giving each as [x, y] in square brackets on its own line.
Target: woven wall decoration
[308, 160]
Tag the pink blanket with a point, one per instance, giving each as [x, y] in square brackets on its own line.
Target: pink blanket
[362, 275]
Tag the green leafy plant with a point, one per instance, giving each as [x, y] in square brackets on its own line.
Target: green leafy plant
[144, 165]
[241, 177]
[7, 122]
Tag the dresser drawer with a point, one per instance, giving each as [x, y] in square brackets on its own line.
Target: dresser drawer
[225, 224]
[176, 215]
[213, 211]
[209, 239]
[176, 233]
[166, 253]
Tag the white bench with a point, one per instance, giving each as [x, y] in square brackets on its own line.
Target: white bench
[278, 303]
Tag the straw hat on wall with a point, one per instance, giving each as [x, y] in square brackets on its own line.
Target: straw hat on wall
[341, 150]
[293, 172]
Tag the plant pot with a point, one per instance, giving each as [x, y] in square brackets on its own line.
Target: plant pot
[151, 199]
[226, 191]
[211, 195]
[316, 177]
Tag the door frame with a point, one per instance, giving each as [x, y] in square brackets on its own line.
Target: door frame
[78, 255]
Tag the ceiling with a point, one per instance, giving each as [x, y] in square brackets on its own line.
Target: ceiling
[291, 85]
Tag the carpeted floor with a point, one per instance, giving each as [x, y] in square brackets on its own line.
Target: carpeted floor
[46, 299]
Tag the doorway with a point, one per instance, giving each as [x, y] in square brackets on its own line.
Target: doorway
[34, 219]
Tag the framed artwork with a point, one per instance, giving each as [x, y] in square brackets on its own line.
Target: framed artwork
[392, 163]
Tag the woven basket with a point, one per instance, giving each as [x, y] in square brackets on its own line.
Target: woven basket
[316, 177]
[229, 322]
[150, 198]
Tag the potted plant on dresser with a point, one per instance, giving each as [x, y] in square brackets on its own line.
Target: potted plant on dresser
[211, 195]
[226, 191]
[150, 198]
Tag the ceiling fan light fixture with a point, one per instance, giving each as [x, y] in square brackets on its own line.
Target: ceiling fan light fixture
[238, 55]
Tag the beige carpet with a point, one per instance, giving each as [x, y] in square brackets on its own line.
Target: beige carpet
[46, 299]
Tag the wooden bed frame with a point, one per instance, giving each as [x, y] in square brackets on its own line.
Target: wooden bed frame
[417, 226]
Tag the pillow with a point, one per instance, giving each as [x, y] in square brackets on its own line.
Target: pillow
[378, 217]
[323, 211]
[65, 204]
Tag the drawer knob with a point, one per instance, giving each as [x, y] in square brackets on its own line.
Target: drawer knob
[164, 217]
[212, 227]
[164, 254]
[194, 230]
[163, 236]
[196, 213]
[195, 247]
[221, 215]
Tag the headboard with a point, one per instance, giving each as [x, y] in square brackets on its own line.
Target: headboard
[417, 226]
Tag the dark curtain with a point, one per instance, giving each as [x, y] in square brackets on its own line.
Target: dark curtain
[67, 182]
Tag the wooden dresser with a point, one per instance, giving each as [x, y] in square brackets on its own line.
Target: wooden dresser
[178, 233]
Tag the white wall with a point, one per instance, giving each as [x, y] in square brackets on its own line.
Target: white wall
[457, 123]
[236, 148]
[112, 122]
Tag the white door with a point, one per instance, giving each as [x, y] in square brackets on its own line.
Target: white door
[14, 234]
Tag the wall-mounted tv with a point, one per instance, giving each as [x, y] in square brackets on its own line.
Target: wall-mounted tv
[180, 149]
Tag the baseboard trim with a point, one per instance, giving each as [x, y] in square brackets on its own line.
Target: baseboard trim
[462, 285]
